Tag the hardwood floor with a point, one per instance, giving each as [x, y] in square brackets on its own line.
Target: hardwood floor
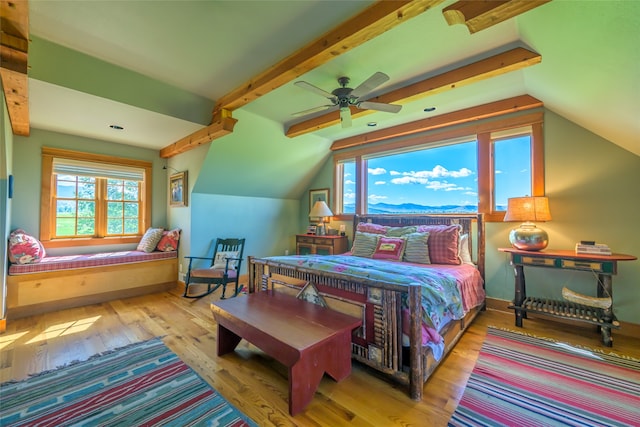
[252, 381]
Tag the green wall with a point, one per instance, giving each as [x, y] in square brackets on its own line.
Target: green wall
[27, 160]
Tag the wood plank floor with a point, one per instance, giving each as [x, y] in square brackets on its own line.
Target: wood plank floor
[252, 381]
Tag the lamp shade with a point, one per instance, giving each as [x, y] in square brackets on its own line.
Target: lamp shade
[320, 209]
[524, 209]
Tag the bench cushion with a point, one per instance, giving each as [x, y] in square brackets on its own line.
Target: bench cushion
[70, 262]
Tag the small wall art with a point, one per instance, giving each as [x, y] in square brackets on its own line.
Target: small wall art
[178, 189]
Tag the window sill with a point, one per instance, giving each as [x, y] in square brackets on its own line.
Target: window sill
[90, 241]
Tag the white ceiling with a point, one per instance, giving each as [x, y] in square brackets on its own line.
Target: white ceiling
[590, 70]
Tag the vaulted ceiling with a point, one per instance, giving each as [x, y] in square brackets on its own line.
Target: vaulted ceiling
[162, 69]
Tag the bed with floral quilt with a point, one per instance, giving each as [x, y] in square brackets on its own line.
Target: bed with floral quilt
[411, 279]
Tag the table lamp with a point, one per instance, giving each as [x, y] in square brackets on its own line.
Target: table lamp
[320, 210]
[527, 236]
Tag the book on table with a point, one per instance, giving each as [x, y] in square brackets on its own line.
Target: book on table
[595, 249]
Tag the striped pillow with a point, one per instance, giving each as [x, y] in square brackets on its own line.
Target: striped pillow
[417, 249]
[364, 244]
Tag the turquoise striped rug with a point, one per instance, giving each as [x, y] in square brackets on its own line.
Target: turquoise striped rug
[520, 380]
[144, 384]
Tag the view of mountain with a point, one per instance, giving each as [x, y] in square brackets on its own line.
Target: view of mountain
[409, 208]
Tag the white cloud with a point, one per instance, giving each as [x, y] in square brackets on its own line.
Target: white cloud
[377, 171]
[375, 198]
[350, 196]
[380, 182]
[348, 181]
[423, 177]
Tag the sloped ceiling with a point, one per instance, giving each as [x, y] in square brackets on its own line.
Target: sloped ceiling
[194, 52]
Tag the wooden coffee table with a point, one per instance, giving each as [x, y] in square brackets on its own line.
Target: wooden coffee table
[308, 339]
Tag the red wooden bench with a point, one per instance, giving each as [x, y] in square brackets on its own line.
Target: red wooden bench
[308, 339]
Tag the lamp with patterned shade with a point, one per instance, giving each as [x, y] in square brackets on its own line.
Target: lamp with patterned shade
[320, 210]
[527, 236]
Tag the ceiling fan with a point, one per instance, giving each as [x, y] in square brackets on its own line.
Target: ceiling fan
[344, 97]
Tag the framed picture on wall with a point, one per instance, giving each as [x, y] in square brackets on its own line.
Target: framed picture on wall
[317, 195]
[178, 189]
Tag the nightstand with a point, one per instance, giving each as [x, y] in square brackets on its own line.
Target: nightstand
[604, 266]
[309, 244]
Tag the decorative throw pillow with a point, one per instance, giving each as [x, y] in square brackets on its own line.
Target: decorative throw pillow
[443, 243]
[220, 261]
[169, 240]
[401, 231]
[150, 240]
[24, 248]
[417, 249]
[364, 244]
[390, 248]
[367, 227]
[463, 246]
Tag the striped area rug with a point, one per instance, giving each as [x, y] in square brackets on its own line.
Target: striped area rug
[521, 380]
[144, 384]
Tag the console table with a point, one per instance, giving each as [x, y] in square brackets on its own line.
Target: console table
[605, 266]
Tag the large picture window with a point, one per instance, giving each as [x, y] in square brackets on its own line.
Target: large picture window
[93, 199]
[466, 170]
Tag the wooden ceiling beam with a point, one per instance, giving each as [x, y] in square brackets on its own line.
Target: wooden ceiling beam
[221, 125]
[492, 109]
[370, 23]
[501, 63]
[479, 15]
[14, 48]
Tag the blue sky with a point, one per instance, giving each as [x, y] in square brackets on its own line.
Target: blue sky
[445, 175]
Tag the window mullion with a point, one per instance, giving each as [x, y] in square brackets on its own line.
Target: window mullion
[101, 207]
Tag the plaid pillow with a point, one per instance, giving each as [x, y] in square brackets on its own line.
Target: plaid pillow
[443, 243]
[368, 227]
[400, 231]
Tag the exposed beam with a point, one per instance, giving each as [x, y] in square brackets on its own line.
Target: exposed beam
[370, 23]
[14, 47]
[222, 125]
[493, 109]
[479, 15]
[496, 65]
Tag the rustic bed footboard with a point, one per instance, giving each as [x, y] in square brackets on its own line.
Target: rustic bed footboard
[378, 343]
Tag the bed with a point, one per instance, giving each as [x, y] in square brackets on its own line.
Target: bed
[413, 313]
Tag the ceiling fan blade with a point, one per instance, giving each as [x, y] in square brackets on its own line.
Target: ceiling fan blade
[312, 110]
[317, 90]
[368, 85]
[379, 106]
[345, 117]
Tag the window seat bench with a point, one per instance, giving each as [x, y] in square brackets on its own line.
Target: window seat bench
[60, 282]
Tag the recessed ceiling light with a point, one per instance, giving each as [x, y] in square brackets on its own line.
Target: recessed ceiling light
[429, 109]
[116, 127]
[372, 124]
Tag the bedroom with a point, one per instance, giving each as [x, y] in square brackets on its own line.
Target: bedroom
[254, 181]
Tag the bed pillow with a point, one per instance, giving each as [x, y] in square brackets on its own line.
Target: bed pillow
[169, 240]
[390, 248]
[465, 254]
[150, 240]
[364, 244]
[401, 231]
[24, 248]
[443, 243]
[220, 261]
[417, 248]
[368, 227]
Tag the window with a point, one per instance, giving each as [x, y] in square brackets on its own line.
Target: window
[93, 199]
[464, 170]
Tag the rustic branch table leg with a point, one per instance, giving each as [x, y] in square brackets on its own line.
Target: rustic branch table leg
[605, 290]
[520, 295]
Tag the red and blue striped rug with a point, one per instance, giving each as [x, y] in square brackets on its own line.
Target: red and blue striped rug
[144, 384]
[520, 380]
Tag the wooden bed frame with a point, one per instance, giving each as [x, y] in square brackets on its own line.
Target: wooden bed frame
[380, 348]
